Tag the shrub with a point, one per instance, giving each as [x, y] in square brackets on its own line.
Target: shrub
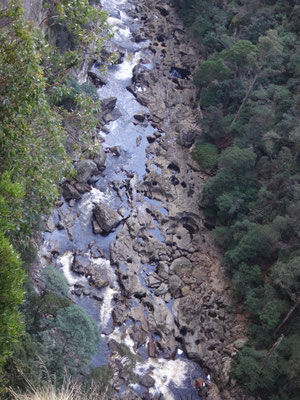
[55, 281]
[206, 155]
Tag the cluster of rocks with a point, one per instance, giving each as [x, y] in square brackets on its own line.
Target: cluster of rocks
[173, 286]
[186, 294]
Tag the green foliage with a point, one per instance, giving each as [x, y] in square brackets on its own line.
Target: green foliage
[238, 161]
[100, 378]
[68, 342]
[240, 55]
[245, 278]
[287, 277]
[210, 71]
[11, 296]
[206, 155]
[249, 81]
[35, 78]
[55, 281]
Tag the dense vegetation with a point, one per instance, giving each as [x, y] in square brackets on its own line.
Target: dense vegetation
[249, 92]
[39, 100]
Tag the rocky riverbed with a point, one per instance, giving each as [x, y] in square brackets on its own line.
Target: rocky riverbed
[128, 232]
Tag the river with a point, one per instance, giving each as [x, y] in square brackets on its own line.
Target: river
[134, 286]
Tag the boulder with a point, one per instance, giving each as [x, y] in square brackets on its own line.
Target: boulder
[96, 227]
[116, 150]
[97, 78]
[140, 116]
[181, 266]
[82, 187]
[162, 316]
[69, 192]
[175, 284]
[50, 225]
[107, 105]
[186, 138]
[163, 270]
[100, 158]
[112, 116]
[85, 168]
[106, 217]
[147, 381]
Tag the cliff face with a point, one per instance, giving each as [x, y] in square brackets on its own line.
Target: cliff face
[34, 9]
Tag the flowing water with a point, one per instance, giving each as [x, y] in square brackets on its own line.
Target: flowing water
[173, 378]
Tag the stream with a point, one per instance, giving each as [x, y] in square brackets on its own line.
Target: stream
[131, 301]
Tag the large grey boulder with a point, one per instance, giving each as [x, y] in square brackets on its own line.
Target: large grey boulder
[107, 105]
[85, 169]
[163, 317]
[181, 266]
[69, 192]
[100, 158]
[175, 284]
[106, 217]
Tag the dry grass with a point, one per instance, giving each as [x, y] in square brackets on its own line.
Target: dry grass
[68, 391]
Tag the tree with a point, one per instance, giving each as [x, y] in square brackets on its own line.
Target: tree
[210, 71]
[55, 281]
[206, 155]
[241, 55]
[69, 341]
[239, 162]
[287, 277]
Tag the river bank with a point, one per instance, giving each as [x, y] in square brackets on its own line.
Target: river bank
[128, 233]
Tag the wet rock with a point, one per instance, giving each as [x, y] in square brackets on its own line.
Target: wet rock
[163, 288]
[86, 292]
[122, 211]
[153, 282]
[162, 316]
[80, 265]
[151, 138]
[100, 158]
[140, 116]
[69, 192]
[97, 78]
[119, 314]
[147, 381]
[78, 292]
[112, 116]
[138, 141]
[107, 105]
[116, 150]
[175, 284]
[181, 266]
[96, 227]
[186, 138]
[83, 187]
[99, 281]
[139, 335]
[137, 37]
[129, 395]
[85, 169]
[50, 225]
[132, 285]
[106, 217]
[97, 296]
[163, 270]
[79, 284]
